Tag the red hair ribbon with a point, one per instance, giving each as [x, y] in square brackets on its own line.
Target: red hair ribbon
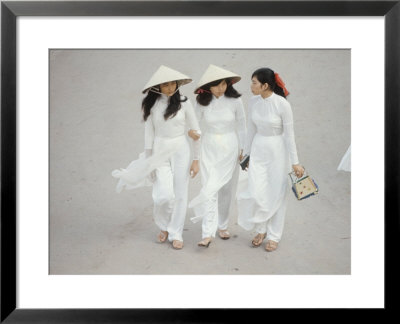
[202, 91]
[280, 83]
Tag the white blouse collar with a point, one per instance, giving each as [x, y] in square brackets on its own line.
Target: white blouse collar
[163, 98]
[219, 98]
[269, 98]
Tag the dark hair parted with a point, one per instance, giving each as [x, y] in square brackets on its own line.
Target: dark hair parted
[205, 98]
[174, 104]
[266, 75]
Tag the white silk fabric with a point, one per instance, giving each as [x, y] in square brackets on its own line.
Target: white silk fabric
[271, 145]
[167, 156]
[223, 135]
[136, 174]
[345, 163]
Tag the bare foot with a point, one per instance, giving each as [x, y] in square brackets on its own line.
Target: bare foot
[162, 237]
[205, 242]
[258, 239]
[177, 245]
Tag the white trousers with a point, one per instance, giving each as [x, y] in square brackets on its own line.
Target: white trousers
[274, 226]
[262, 206]
[218, 209]
[170, 189]
[219, 175]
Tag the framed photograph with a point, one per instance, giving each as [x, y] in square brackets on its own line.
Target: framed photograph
[73, 250]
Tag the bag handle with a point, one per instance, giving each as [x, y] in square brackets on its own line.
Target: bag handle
[305, 174]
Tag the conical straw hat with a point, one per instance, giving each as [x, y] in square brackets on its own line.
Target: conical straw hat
[166, 74]
[214, 73]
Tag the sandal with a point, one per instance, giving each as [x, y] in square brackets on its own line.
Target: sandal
[177, 245]
[224, 234]
[162, 237]
[271, 246]
[258, 239]
[205, 242]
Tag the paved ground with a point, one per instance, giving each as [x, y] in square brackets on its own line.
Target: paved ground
[95, 127]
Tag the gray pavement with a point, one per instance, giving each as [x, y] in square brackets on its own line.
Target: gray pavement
[95, 127]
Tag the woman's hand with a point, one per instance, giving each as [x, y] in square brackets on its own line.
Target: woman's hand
[298, 170]
[152, 176]
[193, 134]
[194, 168]
[241, 155]
[242, 160]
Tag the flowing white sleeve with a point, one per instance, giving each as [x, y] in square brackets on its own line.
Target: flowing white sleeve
[288, 131]
[199, 110]
[192, 123]
[148, 135]
[251, 130]
[240, 123]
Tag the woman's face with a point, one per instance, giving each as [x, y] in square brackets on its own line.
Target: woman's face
[257, 87]
[219, 89]
[168, 88]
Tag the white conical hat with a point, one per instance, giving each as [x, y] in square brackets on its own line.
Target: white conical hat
[214, 73]
[166, 74]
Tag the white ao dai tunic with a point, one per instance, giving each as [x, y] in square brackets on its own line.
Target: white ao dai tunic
[272, 148]
[223, 135]
[170, 157]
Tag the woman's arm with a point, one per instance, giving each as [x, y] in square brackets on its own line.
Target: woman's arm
[288, 132]
[241, 125]
[251, 128]
[199, 114]
[148, 136]
[193, 124]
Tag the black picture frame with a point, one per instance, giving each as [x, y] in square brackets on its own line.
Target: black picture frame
[9, 13]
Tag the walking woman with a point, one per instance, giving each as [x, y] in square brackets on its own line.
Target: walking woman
[271, 145]
[167, 116]
[220, 111]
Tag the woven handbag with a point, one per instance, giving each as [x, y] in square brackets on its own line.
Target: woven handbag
[303, 187]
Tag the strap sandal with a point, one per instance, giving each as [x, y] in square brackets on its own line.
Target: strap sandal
[224, 234]
[162, 236]
[258, 239]
[271, 246]
[177, 245]
[205, 242]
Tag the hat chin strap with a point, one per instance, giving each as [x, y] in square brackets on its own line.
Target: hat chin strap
[156, 91]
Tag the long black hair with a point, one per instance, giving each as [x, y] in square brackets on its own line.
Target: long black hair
[174, 103]
[206, 96]
[266, 75]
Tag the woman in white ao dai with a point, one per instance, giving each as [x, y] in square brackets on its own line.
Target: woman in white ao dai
[221, 115]
[272, 148]
[167, 161]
